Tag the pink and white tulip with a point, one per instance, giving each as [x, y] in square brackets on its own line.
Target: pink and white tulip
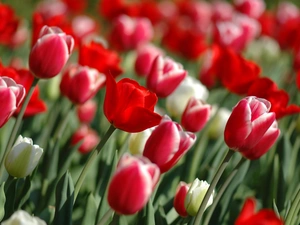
[81, 83]
[195, 115]
[252, 8]
[11, 96]
[132, 184]
[167, 144]
[251, 128]
[50, 53]
[165, 76]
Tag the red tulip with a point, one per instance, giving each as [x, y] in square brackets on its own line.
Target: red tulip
[91, 53]
[248, 216]
[81, 83]
[179, 198]
[50, 53]
[165, 76]
[11, 96]
[266, 88]
[195, 115]
[132, 184]
[129, 106]
[89, 139]
[86, 112]
[167, 144]
[251, 128]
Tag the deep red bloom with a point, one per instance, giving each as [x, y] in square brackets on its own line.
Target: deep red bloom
[77, 6]
[268, 23]
[262, 217]
[266, 88]
[129, 106]
[95, 55]
[25, 78]
[8, 24]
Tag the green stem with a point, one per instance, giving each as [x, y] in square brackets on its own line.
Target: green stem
[222, 190]
[293, 210]
[106, 217]
[91, 159]
[212, 186]
[17, 124]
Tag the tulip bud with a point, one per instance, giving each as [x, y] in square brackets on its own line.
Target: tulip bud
[177, 101]
[195, 115]
[252, 8]
[167, 144]
[195, 197]
[11, 95]
[86, 112]
[21, 217]
[146, 54]
[179, 198]
[219, 118]
[165, 76]
[132, 184]
[138, 140]
[81, 83]
[50, 53]
[89, 139]
[128, 33]
[22, 159]
[251, 128]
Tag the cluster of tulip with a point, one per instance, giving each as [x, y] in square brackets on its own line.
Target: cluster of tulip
[144, 126]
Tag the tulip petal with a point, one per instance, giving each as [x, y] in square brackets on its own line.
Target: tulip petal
[111, 96]
[238, 126]
[246, 212]
[7, 105]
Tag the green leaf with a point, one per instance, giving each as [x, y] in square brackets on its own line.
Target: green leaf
[160, 216]
[2, 201]
[10, 193]
[90, 210]
[24, 192]
[64, 201]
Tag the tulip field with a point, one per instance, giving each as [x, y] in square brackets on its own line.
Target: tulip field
[149, 112]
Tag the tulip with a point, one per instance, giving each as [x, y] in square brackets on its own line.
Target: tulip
[81, 83]
[195, 115]
[252, 8]
[137, 141]
[89, 139]
[167, 144]
[22, 217]
[128, 33]
[189, 87]
[132, 184]
[129, 106]
[22, 159]
[179, 198]
[11, 95]
[165, 76]
[146, 54]
[221, 11]
[195, 196]
[50, 53]
[286, 11]
[264, 216]
[251, 128]
[86, 112]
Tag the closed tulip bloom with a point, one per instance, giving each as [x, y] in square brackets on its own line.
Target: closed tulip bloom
[87, 136]
[132, 184]
[50, 53]
[248, 216]
[81, 83]
[251, 128]
[22, 217]
[179, 198]
[165, 76]
[195, 196]
[167, 144]
[11, 95]
[129, 106]
[22, 159]
[195, 115]
[86, 112]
